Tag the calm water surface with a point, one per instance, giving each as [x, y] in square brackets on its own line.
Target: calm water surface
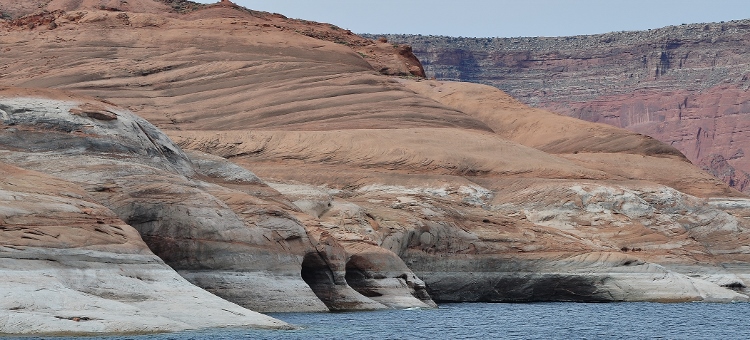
[505, 321]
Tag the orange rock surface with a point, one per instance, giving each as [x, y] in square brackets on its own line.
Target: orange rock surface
[313, 181]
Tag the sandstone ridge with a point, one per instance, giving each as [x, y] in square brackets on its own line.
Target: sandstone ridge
[283, 172]
[222, 229]
[70, 266]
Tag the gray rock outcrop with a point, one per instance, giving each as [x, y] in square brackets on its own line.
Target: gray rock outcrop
[215, 223]
[69, 265]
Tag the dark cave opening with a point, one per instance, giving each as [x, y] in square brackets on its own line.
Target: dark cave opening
[358, 278]
[316, 273]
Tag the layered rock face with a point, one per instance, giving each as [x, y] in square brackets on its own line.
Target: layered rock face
[683, 85]
[69, 265]
[133, 169]
[314, 182]
[220, 226]
[497, 220]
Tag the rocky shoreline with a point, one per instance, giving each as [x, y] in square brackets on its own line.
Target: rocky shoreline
[203, 181]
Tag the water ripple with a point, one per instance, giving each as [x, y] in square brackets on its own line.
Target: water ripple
[505, 321]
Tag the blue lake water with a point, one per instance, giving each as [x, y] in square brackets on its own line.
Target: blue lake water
[505, 321]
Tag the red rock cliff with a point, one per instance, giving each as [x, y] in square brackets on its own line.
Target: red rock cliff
[685, 85]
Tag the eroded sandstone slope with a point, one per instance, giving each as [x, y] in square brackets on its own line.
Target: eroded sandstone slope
[70, 265]
[366, 191]
[684, 85]
[481, 218]
[217, 224]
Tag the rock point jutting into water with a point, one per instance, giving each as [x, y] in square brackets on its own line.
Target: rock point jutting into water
[153, 148]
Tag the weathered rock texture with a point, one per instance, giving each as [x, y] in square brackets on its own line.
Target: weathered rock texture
[684, 85]
[199, 227]
[133, 169]
[69, 265]
[480, 217]
[366, 191]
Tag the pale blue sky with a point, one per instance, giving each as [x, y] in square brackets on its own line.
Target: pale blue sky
[503, 18]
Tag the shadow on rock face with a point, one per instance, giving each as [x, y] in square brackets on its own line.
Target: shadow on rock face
[337, 296]
[359, 279]
[373, 276]
[486, 287]
[317, 275]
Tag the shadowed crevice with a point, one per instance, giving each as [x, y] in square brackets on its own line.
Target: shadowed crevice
[316, 273]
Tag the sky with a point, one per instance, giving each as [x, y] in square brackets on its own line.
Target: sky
[503, 18]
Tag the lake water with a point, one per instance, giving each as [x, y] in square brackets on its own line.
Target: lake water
[506, 321]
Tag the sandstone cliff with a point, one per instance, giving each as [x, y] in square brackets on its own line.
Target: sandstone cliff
[684, 85]
[69, 265]
[481, 218]
[217, 224]
[314, 182]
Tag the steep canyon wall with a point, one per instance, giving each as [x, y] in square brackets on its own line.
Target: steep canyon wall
[685, 85]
